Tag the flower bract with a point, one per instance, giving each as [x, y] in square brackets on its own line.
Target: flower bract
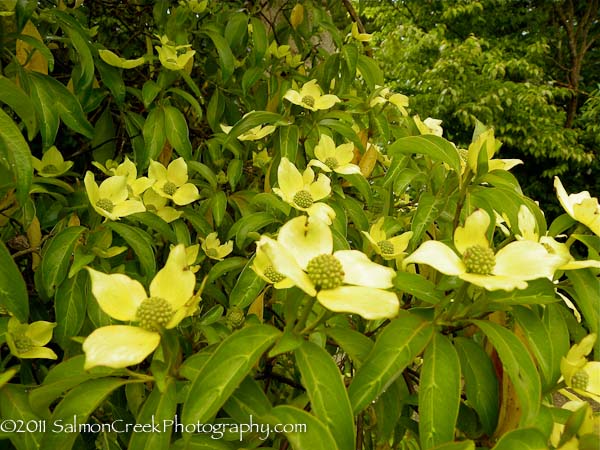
[110, 199]
[52, 163]
[27, 341]
[332, 158]
[171, 182]
[214, 249]
[311, 97]
[388, 248]
[582, 206]
[581, 375]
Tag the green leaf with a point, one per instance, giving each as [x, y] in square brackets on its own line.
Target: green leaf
[522, 439]
[104, 137]
[344, 129]
[77, 406]
[439, 392]
[154, 136]
[539, 339]
[14, 408]
[57, 98]
[225, 370]
[309, 432]
[177, 131]
[235, 169]
[248, 401]
[218, 207]
[249, 223]
[190, 99]
[481, 384]
[150, 90]
[159, 408]
[286, 142]
[56, 258]
[13, 291]
[462, 445]
[559, 336]
[14, 97]
[204, 171]
[418, 287]
[370, 71]
[328, 398]
[46, 112]
[395, 348]
[202, 442]
[111, 77]
[15, 152]
[427, 211]
[141, 243]
[251, 76]
[236, 30]
[388, 409]
[520, 368]
[537, 292]
[362, 185]
[356, 212]
[70, 307]
[156, 223]
[216, 107]
[586, 287]
[251, 120]
[438, 148]
[357, 345]
[227, 60]
[350, 57]
[260, 39]
[247, 287]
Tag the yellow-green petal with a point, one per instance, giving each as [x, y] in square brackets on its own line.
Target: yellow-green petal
[186, 194]
[474, 231]
[320, 188]
[126, 208]
[119, 346]
[117, 61]
[39, 352]
[114, 189]
[40, 332]
[306, 239]
[325, 148]
[361, 271]
[370, 303]
[91, 187]
[289, 178]
[494, 282]
[174, 282]
[177, 172]
[526, 260]
[439, 256]
[156, 171]
[118, 295]
[326, 101]
[322, 212]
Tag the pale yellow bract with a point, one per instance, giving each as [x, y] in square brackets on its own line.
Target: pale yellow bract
[582, 206]
[581, 375]
[111, 198]
[171, 182]
[334, 158]
[389, 248]
[214, 249]
[52, 164]
[27, 341]
[311, 97]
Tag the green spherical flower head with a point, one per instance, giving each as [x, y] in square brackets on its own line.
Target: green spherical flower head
[23, 343]
[235, 317]
[308, 100]
[303, 199]
[154, 313]
[332, 163]
[50, 168]
[386, 247]
[580, 380]
[170, 188]
[479, 260]
[273, 275]
[105, 204]
[325, 271]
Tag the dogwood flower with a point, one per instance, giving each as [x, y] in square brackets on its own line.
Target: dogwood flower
[52, 163]
[582, 206]
[158, 205]
[473, 260]
[115, 60]
[253, 134]
[429, 126]
[170, 57]
[342, 281]
[330, 157]
[385, 95]
[136, 185]
[171, 299]
[362, 37]
[486, 142]
[26, 341]
[263, 267]
[581, 375]
[311, 97]
[391, 248]
[302, 191]
[214, 249]
[110, 199]
[171, 182]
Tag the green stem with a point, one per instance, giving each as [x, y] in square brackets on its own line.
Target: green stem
[323, 316]
[305, 313]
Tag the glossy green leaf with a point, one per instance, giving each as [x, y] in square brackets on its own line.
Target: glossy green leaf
[286, 142]
[13, 291]
[399, 343]
[215, 109]
[388, 409]
[70, 306]
[427, 211]
[247, 287]
[259, 38]
[356, 213]
[159, 408]
[419, 287]
[229, 264]
[328, 398]
[559, 335]
[370, 71]
[202, 442]
[14, 408]
[357, 345]
[522, 439]
[15, 152]
[462, 445]
[204, 171]
[249, 223]
[236, 30]
[248, 400]
[439, 392]
[103, 142]
[537, 292]
[362, 186]
[155, 223]
[79, 403]
[344, 129]
[235, 170]
[15, 98]
[177, 131]
[141, 244]
[520, 368]
[56, 257]
[155, 136]
[150, 90]
[218, 207]
[111, 77]
[250, 77]
[481, 384]
[311, 433]
[252, 120]
[438, 148]
[227, 61]
[190, 99]
[587, 286]
[225, 370]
